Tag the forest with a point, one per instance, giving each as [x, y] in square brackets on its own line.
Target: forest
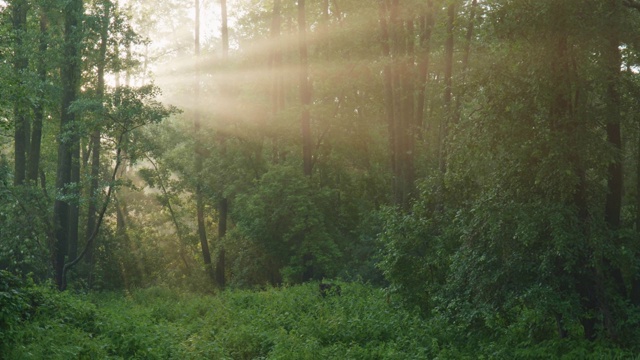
[328, 179]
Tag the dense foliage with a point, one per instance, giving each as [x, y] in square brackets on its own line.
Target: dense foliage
[275, 323]
[479, 160]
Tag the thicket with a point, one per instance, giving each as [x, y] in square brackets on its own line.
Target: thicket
[295, 322]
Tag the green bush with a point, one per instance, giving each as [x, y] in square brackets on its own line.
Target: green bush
[275, 323]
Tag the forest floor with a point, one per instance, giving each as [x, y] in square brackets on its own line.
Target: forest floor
[276, 323]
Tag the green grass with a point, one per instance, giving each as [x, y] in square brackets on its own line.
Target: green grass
[276, 323]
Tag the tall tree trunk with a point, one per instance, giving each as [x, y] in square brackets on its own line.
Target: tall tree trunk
[202, 231]
[223, 203]
[566, 124]
[399, 84]
[614, 180]
[448, 73]
[74, 209]
[38, 111]
[223, 212]
[613, 204]
[70, 77]
[635, 286]
[406, 128]
[387, 81]
[276, 61]
[305, 93]
[20, 108]
[426, 25]
[466, 53]
[96, 135]
[275, 64]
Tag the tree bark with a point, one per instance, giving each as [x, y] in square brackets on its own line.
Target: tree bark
[70, 77]
[74, 209]
[466, 53]
[615, 179]
[223, 211]
[223, 203]
[635, 286]
[399, 74]
[448, 73]
[202, 231]
[38, 111]
[20, 108]
[387, 81]
[426, 25]
[96, 135]
[305, 93]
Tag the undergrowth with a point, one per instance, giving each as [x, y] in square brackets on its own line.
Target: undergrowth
[276, 323]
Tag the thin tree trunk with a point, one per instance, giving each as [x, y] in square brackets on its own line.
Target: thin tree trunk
[387, 81]
[202, 231]
[174, 217]
[277, 81]
[223, 211]
[38, 112]
[96, 136]
[406, 93]
[614, 181]
[466, 53]
[66, 267]
[426, 24]
[20, 108]
[74, 210]
[305, 93]
[448, 72]
[635, 286]
[223, 204]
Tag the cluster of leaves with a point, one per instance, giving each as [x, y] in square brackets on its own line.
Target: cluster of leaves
[518, 230]
[275, 323]
[25, 227]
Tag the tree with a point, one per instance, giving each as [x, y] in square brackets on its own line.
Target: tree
[305, 91]
[21, 107]
[223, 204]
[39, 108]
[70, 77]
[202, 234]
